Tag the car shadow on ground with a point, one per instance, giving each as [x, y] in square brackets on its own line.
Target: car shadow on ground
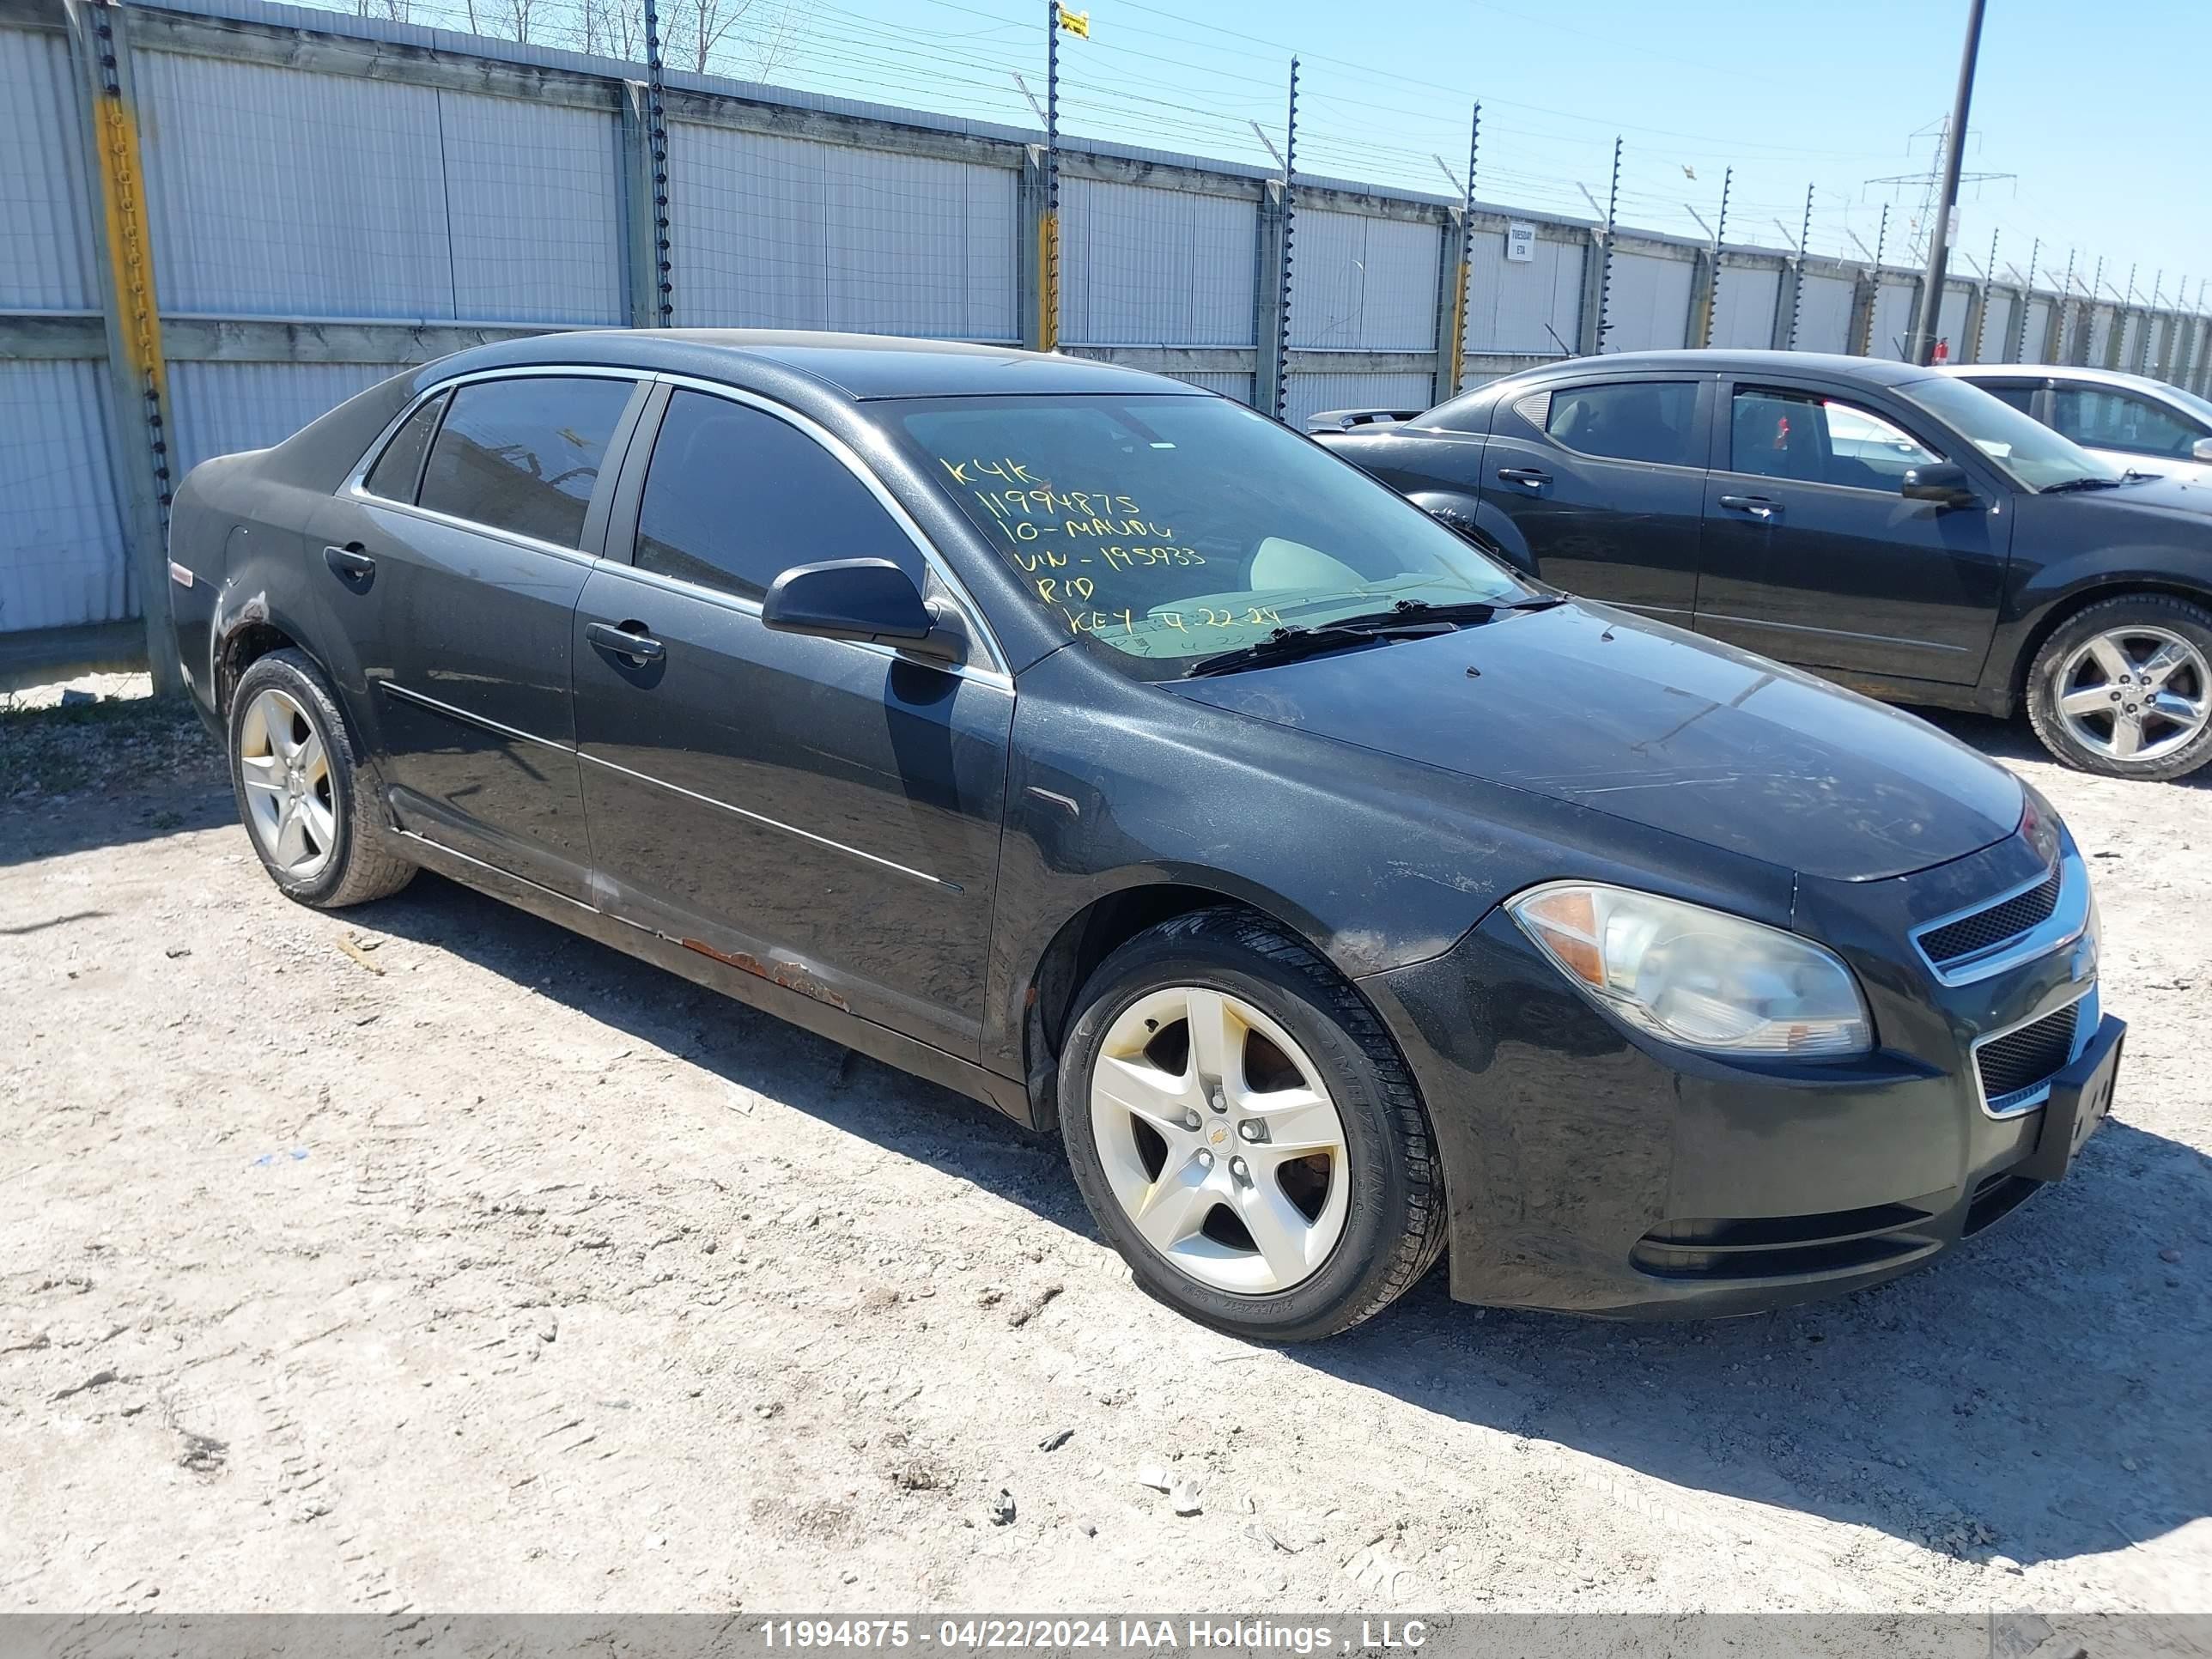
[2042, 1392]
[2014, 739]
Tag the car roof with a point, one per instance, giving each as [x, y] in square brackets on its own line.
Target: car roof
[857, 366]
[1880, 371]
[2056, 372]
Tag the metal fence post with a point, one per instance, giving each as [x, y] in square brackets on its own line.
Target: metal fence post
[663, 290]
[1795, 273]
[1457, 271]
[641, 236]
[1271, 300]
[1032, 216]
[138, 437]
[1597, 285]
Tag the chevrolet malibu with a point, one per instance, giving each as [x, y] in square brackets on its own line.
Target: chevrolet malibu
[1097, 748]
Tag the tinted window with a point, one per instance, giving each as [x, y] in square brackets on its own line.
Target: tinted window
[1629, 421]
[2020, 394]
[1805, 437]
[1160, 530]
[2105, 419]
[523, 455]
[400, 467]
[735, 497]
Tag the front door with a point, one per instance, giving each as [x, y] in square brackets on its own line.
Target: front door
[1813, 555]
[1605, 482]
[822, 813]
[458, 563]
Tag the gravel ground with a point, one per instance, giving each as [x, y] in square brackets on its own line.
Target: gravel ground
[428, 1256]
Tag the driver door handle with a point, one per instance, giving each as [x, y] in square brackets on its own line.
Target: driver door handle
[629, 641]
[1759, 507]
[1531, 475]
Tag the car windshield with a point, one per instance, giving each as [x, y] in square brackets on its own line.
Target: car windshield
[1167, 529]
[2019, 445]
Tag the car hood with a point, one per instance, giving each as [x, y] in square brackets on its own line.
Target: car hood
[1627, 716]
[2165, 492]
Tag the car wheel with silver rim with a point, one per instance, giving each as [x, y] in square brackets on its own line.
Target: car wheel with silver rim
[304, 802]
[1244, 1131]
[2124, 687]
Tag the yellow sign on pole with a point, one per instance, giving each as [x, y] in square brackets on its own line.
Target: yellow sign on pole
[1075, 22]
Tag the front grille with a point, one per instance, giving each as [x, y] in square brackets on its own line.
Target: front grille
[1971, 935]
[2018, 1060]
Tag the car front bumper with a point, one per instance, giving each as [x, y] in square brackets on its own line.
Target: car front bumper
[1589, 1169]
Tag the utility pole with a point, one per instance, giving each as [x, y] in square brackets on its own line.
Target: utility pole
[1939, 243]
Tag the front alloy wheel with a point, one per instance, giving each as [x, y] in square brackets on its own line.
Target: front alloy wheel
[1220, 1140]
[1245, 1133]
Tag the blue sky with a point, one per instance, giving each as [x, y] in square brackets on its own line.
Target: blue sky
[2096, 110]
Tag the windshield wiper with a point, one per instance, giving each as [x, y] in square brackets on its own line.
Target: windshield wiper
[1289, 644]
[2070, 484]
[1406, 619]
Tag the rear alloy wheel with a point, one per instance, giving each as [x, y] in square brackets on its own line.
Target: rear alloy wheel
[308, 806]
[2125, 687]
[1245, 1133]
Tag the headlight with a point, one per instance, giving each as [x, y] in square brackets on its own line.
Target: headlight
[1695, 976]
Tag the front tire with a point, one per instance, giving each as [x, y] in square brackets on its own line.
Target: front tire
[1246, 1134]
[308, 806]
[2124, 688]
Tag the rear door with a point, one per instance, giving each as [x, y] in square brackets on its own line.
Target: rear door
[1813, 555]
[1603, 481]
[823, 813]
[455, 566]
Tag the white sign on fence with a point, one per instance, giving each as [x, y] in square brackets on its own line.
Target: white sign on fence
[1521, 242]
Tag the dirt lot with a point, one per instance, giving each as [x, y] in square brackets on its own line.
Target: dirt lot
[483, 1268]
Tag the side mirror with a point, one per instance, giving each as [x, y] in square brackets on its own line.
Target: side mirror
[869, 599]
[2201, 451]
[1944, 483]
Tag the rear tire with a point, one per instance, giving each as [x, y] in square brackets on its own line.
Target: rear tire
[1219, 1073]
[308, 806]
[2124, 688]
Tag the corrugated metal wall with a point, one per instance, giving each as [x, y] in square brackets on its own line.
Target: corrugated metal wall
[46, 261]
[1531, 309]
[1142, 266]
[1365, 284]
[1951, 319]
[2038, 330]
[1648, 309]
[1999, 322]
[1892, 318]
[1743, 308]
[781, 233]
[1824, 313]
[221, 408]
[61, 532]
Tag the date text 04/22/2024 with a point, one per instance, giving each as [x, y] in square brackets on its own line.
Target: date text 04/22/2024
[1119, 1635]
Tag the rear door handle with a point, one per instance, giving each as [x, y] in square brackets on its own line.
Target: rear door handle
[1523, 475]
[350, 565]
[628, 641]
[1759, 507]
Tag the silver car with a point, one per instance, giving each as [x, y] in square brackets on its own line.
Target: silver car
[2136, 423]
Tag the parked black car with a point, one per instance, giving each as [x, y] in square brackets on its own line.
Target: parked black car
[1890, 527]
[1102, 750]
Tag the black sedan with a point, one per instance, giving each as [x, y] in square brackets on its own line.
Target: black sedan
[1893, 528]
[1102, 750]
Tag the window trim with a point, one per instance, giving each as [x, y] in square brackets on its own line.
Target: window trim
[355, 486]
[2085, 388]
[625, 525]
[1700, 421]
[421, 461]
[599, 526]
[1855, 400]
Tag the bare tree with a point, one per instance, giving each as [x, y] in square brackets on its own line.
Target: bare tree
[771, 31]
